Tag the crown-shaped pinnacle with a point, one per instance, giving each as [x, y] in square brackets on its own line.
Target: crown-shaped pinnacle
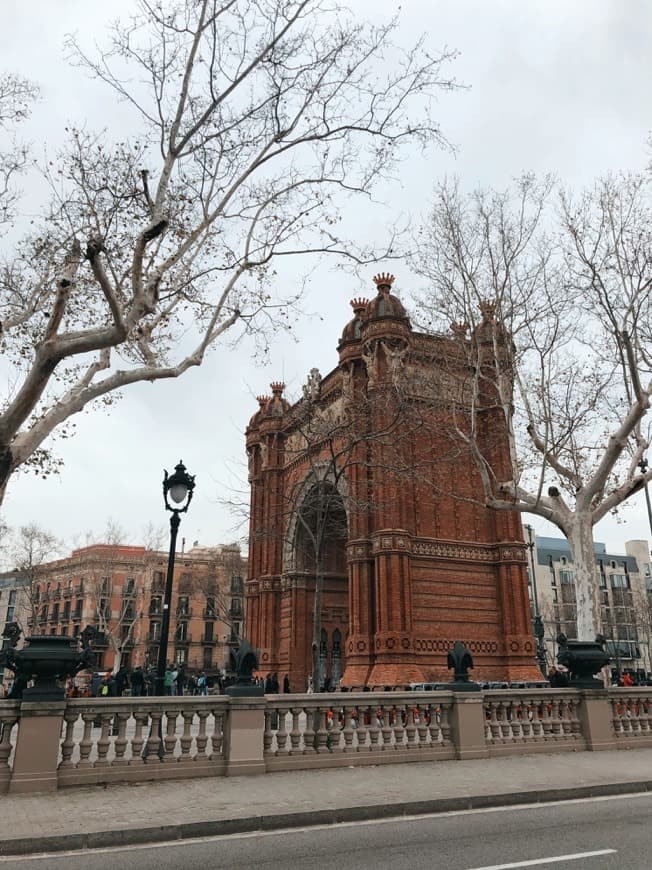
[459, 328]
[359, 304]
[488, 310]
[262, 400]
[277, 387]
[384, 280]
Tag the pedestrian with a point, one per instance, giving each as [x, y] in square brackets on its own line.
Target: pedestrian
[267, 685]
[557, 679]
[180, 680]
[121, 681]
[286, 685]
[168, 681]
[309, 688]
[275, 688]
[202, 684]
[627, 680]
[137, 682]
[192, 685]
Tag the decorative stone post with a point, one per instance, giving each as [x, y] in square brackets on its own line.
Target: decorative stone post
[245, 725]
[37, 748]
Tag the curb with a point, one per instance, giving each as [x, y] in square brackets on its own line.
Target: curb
[311, 818]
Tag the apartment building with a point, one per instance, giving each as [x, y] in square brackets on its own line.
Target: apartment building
[625, 587]
[120, 589]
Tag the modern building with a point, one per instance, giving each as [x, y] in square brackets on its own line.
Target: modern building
[362, 484]
[119, 590]
[625, 588]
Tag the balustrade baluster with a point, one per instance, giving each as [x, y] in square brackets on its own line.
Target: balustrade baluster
[202, 737]
[218, 733]
[186, 735]
[410, 726]
[386, 728]
[309, 735]
[361, 731]
[374, 726]
[7, 722]
[635, 706]
[444, 722]
[576, 725]
[295, 733]
[282, 733]
[140, 718]
[564, 717]
[419, 714]
[526, 720]
[555, 720]
[170, 739]
[104, 741]
[322, 730]
[615, 717]
[155, 738]
[67, 747]
[494, 724]
[120, 742]
[86, 743]
[399, 728]
[349, 730]
[268, 734]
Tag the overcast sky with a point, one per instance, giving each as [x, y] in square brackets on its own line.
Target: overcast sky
[553, 86]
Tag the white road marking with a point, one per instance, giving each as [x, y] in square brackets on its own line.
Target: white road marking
[278, 832]
[538, 861]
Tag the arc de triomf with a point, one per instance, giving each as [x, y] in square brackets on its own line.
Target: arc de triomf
[411, 559]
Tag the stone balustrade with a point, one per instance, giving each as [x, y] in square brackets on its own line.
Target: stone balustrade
[360, 728]
[50, 745]
[545, 720]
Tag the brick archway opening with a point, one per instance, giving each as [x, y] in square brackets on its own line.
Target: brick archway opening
[321, 535]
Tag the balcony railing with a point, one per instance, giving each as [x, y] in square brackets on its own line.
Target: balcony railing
[208, 641]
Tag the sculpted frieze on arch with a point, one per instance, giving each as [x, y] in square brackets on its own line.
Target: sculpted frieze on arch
[450, 550]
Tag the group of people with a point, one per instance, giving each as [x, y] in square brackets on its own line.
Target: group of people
[139, 682]
[271, 685]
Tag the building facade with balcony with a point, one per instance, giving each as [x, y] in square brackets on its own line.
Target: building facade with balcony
[119, 590]
[624, 582]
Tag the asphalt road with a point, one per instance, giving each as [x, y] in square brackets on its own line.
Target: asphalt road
[594, 834]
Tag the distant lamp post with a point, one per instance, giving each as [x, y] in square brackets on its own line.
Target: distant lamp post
[643, 465]
[178, 488]
[539, 630]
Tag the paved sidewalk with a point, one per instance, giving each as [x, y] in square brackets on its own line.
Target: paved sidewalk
[100, 816]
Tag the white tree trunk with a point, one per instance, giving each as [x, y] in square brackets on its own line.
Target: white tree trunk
[580, 538]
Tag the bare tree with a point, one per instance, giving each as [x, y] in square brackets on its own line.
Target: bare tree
[16, 98]
[549, 297]
[254, 121]
[117, 612]
[29, 548]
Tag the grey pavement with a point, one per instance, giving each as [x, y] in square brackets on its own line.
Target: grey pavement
[149, 812]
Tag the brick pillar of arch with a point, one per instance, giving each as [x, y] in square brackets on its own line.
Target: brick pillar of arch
[393, 641]
[362, 609]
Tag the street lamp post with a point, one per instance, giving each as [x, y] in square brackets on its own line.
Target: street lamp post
[643, 465]
[179, 488]
[539, 630]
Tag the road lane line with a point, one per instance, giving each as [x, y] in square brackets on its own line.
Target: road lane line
[576, 856]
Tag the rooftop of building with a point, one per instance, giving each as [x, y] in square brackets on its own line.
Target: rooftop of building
[554, 549]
